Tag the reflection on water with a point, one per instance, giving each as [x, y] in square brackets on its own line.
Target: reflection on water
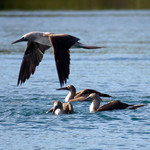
[121, 70]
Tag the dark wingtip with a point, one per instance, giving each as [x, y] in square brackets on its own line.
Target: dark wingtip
[18, 83]
[104, 95]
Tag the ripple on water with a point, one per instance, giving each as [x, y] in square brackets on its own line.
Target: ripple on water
[121, 70]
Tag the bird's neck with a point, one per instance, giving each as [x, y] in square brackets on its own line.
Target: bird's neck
[70, 96]
[94, 105]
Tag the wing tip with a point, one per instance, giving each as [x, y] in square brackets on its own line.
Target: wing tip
[19, 82]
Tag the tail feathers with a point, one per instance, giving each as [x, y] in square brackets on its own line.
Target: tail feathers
[136, 106]
[80, 45]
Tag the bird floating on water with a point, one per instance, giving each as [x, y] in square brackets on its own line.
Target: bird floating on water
[95, 105]
[61, 108]
[38, 43]
[73, 96]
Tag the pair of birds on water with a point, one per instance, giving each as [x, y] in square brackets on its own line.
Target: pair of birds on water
[87, 95]
[38, 43]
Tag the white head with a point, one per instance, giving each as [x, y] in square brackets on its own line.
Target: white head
[31, 36]
[71, 94]
[95, 102]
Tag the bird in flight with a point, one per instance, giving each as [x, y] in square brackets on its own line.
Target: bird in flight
[38, 43]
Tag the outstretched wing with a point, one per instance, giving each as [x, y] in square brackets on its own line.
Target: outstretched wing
[61, 44]
[32, 57]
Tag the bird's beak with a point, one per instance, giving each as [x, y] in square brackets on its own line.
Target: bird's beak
[50, 110]
[54, 109]
[20, 40]
[64, 88]
[87, 99]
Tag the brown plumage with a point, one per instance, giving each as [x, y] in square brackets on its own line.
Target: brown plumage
[95, 105]
[73, 96]
[118, 105]
[87, 92]
[61, 45]
[61, 108]
[38, 43]
[32, 57]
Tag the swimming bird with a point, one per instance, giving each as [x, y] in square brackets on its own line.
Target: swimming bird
[73, 96]
[38, 43]
[95, 105]
[61, 108]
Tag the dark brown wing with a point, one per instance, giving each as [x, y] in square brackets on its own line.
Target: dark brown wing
[32, 57]
[68, 108]
[61, 44]
[90, 91]
[113, 105]
[79, 99]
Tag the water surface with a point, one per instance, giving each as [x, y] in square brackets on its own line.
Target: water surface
[121, 70]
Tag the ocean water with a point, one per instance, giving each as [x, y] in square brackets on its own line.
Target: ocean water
[121, 69]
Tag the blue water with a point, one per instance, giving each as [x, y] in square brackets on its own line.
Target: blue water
[122, 69]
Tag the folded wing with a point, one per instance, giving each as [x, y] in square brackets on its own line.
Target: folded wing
[87, 92]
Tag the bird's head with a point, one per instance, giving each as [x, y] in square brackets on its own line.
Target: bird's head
[92, 96]
[57, 105]
[31, 36]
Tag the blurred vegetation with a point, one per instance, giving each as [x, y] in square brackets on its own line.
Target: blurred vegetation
[73, 4]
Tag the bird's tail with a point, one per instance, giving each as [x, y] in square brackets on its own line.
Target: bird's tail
[80, 45]
[136, 106]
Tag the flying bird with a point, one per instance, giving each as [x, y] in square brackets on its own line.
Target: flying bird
[38, 43]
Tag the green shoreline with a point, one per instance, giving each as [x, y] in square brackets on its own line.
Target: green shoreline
[73, 4]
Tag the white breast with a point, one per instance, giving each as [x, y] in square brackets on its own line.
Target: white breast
[92, 110]
[68, 97]
[94, 106]
[59, 111]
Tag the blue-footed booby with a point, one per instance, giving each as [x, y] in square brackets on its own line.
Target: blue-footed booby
[95, 105]
[38, 43]
[73, 96]
[61, 108]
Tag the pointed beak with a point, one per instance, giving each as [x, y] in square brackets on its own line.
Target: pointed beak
[20, 40]
[78, 99]
[64, 88]
[49, 110]
[87, 99]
